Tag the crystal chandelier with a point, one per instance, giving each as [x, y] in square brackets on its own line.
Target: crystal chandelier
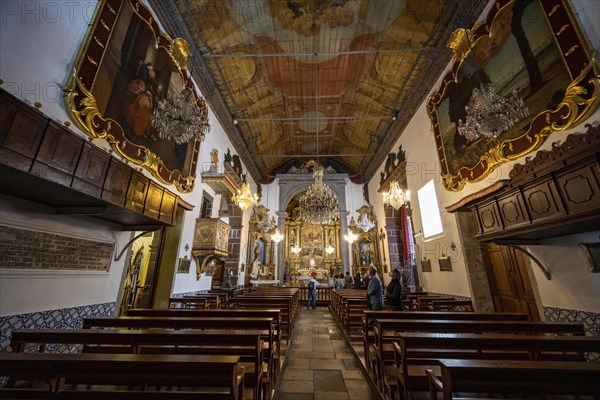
[244, 197]
[395, 196]
[319, 205]
[180, 120]
[489, 114]
[329, 250]
[296, 249]
[350, 237]
[277, 236]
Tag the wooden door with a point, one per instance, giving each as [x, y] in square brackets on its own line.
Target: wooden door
[509, 281]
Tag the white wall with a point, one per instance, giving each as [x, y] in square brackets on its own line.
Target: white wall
[24, 291]
[39, 42]
[564, 290]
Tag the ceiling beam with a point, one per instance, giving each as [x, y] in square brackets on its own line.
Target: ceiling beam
[322, 53]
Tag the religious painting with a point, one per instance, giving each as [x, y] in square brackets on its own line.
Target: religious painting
[312, 240]
[445, 263]
[259, 251]
[528, 60]
[426, 265]
[183, 266]
[365, 248]
[127, 81]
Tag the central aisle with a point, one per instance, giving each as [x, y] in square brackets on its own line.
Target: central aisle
[320, 365]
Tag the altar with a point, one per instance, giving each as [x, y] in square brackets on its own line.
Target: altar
[259, 283]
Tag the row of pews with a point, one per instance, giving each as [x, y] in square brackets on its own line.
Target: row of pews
[438, 354]
[177, 353]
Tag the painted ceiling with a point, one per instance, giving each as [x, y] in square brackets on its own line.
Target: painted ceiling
[337, 80]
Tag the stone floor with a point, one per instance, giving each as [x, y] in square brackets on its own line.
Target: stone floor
[319, 364]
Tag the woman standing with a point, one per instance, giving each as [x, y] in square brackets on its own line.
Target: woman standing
[393, 293]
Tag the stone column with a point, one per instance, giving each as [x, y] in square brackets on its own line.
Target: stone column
[344, 231]
[279, 266]
[394, 236]
[234, 245]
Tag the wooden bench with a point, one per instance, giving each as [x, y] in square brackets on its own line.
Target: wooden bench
[199, 301]
[284, 304]
[265, 326]
[248, 347]
[212, 376]
[249, 313]
[416, 352]
[515, 377]
[386, 332]
[369, 318]
[452, 305]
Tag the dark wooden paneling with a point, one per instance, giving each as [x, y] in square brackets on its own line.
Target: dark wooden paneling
[57, 158]
[512, 210]
[542, 201]
[21, 131]
[168, 207]
[489, 217]
[91, 170]
[153, 200]
[136, 193]
[579, 189]
[116, 183]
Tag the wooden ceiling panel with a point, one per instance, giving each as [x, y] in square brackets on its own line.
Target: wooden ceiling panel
[318, 77]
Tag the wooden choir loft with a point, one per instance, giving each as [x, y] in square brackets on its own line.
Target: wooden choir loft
[300, 199]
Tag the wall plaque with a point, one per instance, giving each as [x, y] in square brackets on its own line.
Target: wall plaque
[26, 249]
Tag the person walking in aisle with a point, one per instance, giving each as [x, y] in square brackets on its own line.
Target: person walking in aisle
[312, 291]
[348, 280]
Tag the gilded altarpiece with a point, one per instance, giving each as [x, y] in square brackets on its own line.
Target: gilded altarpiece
[306, 249]
[365, 250]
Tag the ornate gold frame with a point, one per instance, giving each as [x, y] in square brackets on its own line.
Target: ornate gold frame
[83, 108]
[580, 100]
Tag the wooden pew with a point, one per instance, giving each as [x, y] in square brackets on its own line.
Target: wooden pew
[386, 332]
[211, 376]
[416, 352]
[284, 304]
[452, 305]
[202, 301]
[266, 326]
[515, 377]
[250, 313]
[248, 347]
[369, 318]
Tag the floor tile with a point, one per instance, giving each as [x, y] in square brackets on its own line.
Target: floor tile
[328, 381]
[295, 374]
[296, 386]
[331, 396]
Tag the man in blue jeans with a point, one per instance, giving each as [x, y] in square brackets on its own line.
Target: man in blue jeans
[312, 291]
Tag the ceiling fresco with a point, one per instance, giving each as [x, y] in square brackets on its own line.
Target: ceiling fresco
[292, 80]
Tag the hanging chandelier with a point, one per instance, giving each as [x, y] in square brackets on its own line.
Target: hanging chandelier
[395, 196]
[489, 114]
[329, 250]
[319, 205]
[350, 237]
[244, 197]
[181, 120]
[296, 249]
[277, 236]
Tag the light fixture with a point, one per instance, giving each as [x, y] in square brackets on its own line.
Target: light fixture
[319, 205]
[395, 196]
[365, 223]
[277, 236]
[296, 249]
[180, 120]
[489, 114]
[350, 237]
[329, 250]
[244, 197]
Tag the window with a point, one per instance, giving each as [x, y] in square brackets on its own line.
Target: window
[206, 210]
[430, 211]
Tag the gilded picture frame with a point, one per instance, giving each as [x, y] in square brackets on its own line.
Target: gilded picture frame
[126, 67]
[534, 47]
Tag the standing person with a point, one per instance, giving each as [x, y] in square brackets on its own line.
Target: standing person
[357, 281]
[393, 293]
[312, 291]
[340, 282]
[375, 290]
[348, 280]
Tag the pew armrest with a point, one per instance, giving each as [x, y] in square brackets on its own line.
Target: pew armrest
[435, 384]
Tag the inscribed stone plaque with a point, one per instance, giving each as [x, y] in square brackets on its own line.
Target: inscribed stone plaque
[25, 249]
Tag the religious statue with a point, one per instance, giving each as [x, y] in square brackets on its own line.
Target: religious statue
[255, 267]
[214, 160]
